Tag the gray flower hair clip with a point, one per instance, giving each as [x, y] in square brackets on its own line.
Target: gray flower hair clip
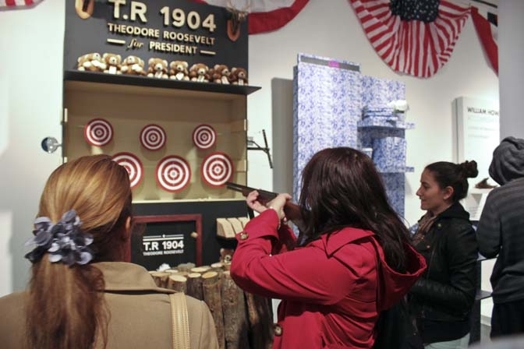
[64, 241]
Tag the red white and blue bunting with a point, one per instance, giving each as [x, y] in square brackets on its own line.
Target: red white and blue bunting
[414, 37]
[15, 4]
[264, 15]
[486, 22]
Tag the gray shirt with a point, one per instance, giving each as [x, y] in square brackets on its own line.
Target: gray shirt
[501, 232]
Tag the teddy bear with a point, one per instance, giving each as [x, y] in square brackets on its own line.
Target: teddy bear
[179, 70]
[112, 62]
[238, 76]
[221, 74]
[226, 255]
[133, 65]
[91, 62]
[158, 68]
[199, 72]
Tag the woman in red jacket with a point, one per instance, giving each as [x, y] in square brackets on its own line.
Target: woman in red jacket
[354, 259]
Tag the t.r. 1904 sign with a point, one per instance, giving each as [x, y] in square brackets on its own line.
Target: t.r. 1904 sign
[167, 30]
[171, 239]
[176, 17]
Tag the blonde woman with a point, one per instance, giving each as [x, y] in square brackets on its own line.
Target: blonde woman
[83, 292]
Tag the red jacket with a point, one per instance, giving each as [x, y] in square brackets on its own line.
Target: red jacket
[328, 287]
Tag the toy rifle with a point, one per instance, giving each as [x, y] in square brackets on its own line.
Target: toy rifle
[291, 210]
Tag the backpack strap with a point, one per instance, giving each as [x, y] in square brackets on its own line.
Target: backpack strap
[180, 320]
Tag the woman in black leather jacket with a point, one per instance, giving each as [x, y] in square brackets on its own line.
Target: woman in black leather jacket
[442, 299]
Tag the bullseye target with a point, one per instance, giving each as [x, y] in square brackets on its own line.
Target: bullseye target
[173, 173]
[217, 169]
[133, 165]
[98, 132]
[153, 137]
[204, 136]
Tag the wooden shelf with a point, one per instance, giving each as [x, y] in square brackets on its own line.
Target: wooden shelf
[145, 82]
[399, 169]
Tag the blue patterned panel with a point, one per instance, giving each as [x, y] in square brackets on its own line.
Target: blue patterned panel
[377, 93]
[395, 189]
[327, 107]
[384, 132]
[389, 154]
[334, 105]
[367, 135]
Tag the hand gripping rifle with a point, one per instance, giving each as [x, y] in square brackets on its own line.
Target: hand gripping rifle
[291, 210]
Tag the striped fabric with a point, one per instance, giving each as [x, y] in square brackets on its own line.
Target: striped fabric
[264, 15]
[411, 47]
[486, 25]
[17, 3]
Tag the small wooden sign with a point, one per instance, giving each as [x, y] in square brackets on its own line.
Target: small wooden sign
[171, 239]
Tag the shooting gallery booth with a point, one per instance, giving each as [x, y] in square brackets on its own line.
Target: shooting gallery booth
[162, 86]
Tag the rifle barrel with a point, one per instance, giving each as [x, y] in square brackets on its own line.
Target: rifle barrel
[245, 190]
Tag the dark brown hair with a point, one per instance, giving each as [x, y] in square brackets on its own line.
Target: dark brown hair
[448, 174]
[65, 308]
[341, 188]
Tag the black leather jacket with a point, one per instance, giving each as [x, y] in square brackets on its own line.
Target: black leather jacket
[445, 293]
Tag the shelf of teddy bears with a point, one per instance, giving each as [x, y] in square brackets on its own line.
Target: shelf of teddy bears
[185, 120]
[144, 81]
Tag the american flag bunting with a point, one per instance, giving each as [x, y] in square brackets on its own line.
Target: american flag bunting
[414, 45]
[264, 15]
[12, 4]
[486, 26]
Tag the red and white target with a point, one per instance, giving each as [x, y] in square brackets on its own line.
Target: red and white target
[133, 165]
[173, 173]
[153, 137]
[217, 169]
[98, 132]
[204, 136]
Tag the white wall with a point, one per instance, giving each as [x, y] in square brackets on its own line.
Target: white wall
[511, 69]
[34, 102]
[31, 61]
[334, 31]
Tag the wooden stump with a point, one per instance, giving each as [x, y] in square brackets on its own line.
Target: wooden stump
[185, 267]
[177, 283]
[160, 278]
[242, 320]
[217, 267]
[260, 316]
[235, 321]
[212, 296]
[194, 285]
[201, 270]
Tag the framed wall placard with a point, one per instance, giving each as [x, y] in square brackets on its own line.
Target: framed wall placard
[171, 239]
[476, 134]
[477, 131]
